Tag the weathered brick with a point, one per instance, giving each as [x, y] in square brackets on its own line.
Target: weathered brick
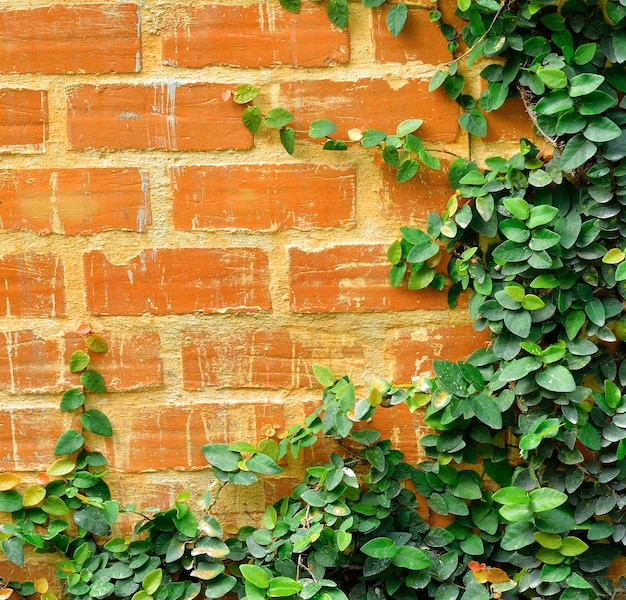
[74, 201]
[23, 120]
[411, 202]
[131, 362]
[265, 197]
[509, 123]
[32, 285]
[168, 116]
[30, 450]
[142, 434]
[411, 352]
[258, 35]
[29, 363]
[95, 38]
[372, 104]
[350, 278]
[409, 44]
[271, 359]
[181, 280]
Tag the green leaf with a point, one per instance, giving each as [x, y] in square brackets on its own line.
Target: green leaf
[252, 118]
[219, 586]
[601, 129]
[511, 495]
[93, 381]
[486, 410]
[10, 501]
[291, 5]
[262, 464]
[278, 117]
[69, 442]
[595, 103]
[255, 575]
[408, 168]
[372, 137]
[409, 557]
[324, 375]
[552, 78]
[152, 581]
[573, 546]
[90, 517]
[554, 102]
[283, 586]
[337, 11]
[380, 547]
[321, 128]
[219, 456]
[96, 343]
[55, 506]
[245, 92]
[288, 139]
[577, 151]
[13, 549]
[556, 378]
[585, 83]
[79, 361]
[408, 126]
[60, 467]
[396, 18]
[584, 53]
[97, 422]
[72, 399]
[546, 499]
[474, 122]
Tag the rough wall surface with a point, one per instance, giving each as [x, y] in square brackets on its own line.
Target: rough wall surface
[218, 267]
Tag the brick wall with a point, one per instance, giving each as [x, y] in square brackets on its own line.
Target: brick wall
[217, 266]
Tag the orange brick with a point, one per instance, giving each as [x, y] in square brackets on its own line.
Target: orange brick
[29, 363]
[256, 35]
[182, 280]
[272, 359]
[510, 123]
[23, 120]
[165, 116]
[411, 202]
[351, 278]
[372, 104]
[82, 201]
[263, 197]
[33, 451]
[412, 351]
[409, 44]
[95, 38]
[32, 285]
[132, 361]
[143, 434]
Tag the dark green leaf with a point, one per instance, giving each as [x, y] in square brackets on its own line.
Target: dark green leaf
[69, 442]
[337, 11]
[288, 139]
[578, 150]
[93, 381]
[474, 122]
[321, 128]
[97, 422]
[72, 399]
[396, 18]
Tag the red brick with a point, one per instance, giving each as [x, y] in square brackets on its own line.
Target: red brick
[412, 351]
[30, 450]
[158, 437]
[300, 196]
[132, 361]
[411, 202]
[29, 363]
[410, 44]
[23, 120]
[31, 285]
[509, 123]
[256, 35]
[271, 359]
[180, 280]
[74, 201]
[95, 38]
[372, 104]
[168, 116]
[351, 278]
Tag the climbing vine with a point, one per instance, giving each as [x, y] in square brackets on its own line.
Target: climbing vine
[527, 455]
